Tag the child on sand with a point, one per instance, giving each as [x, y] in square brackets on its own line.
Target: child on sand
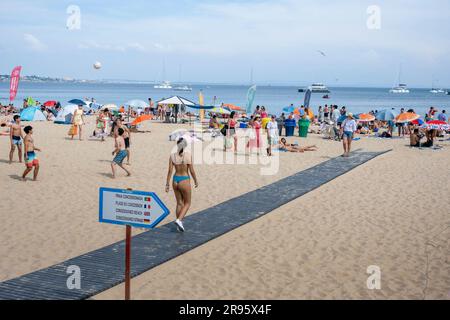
[120, 152]
[30, 154]
[16, 137]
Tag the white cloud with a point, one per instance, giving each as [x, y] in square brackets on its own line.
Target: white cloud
[34, 43]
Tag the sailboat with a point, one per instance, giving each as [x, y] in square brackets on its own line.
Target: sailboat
[165, 85]
[434, 90]
[401, 88]
[180, 87]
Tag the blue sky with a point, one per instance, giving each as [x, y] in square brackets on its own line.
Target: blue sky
[220, 41]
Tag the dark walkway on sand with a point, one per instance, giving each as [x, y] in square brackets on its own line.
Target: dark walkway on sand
[104, 268]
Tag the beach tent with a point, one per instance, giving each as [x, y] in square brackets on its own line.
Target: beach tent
[65, 115]
[177, 100]
[32, 114]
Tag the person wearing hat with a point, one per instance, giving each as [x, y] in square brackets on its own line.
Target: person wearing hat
[348, 130]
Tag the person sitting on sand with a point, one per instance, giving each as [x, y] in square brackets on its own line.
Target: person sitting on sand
[284, 146]
[184, 169]
[431, 135]
[120, 154]
[415, 138]
[30, 154]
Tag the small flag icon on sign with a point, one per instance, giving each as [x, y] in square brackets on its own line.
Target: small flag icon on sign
[147, 214]
[146, 221]
[148, 199]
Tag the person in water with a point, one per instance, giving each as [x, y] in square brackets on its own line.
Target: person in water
[30, 154]
[16, 136]
[182, 162]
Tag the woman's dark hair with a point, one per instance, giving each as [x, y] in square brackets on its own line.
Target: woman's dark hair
[27, 129]
[181, 143]
[120, 131]
[232, 114]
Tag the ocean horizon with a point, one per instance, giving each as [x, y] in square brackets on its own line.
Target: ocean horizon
[273, 97]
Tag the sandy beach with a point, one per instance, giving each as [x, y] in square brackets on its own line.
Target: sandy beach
[391, 212]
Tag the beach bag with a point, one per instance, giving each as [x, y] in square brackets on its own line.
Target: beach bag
[223, 131]
[73, 130]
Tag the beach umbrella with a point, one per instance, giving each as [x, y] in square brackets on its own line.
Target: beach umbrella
[418, 122]
[220, 110]
[138, 104]
[386, 115]
[289, 109]
[342, 118]
[78, 102]
[141, 119]
[437, 124]
[233, 107]
[50, 104]
[365, 117]
[110, 106]
[406, 117]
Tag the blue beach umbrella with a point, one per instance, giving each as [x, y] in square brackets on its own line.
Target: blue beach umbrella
[289, 109]
[386, 115]
[342, 118]
[78, 102]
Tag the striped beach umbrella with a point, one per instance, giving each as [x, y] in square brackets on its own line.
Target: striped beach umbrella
[437, 125]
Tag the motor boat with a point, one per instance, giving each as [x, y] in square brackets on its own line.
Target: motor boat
[316, 88]
[164, 85]
[401, 89]
[183, 88]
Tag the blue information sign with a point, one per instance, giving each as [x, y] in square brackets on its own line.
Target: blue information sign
[133, 208]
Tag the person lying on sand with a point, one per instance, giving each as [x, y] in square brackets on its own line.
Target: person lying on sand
[293, 148]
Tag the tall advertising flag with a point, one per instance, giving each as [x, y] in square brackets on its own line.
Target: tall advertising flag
[201, 102]
[307, 98]
[250, 99]
[14, 85]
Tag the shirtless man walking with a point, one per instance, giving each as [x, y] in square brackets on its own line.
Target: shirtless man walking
[16, 136]
[126, 137]
[30, 154]
[120, 153]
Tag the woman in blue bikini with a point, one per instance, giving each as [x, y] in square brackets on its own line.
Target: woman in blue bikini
[182, 161]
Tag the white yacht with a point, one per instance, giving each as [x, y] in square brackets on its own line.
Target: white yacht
[402, 89]
[165, 85]
[436, 91]
[316, 88]
[183, 88]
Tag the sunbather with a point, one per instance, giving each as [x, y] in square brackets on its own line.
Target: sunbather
[294, 148]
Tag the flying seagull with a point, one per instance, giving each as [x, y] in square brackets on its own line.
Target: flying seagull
[322, 53]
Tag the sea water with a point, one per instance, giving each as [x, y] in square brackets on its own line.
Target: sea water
[274, 98]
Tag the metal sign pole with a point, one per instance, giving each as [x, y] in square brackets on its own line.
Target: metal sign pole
[128, 263]
[128, 260]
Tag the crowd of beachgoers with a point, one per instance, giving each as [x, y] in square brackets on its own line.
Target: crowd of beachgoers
[264, 131]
